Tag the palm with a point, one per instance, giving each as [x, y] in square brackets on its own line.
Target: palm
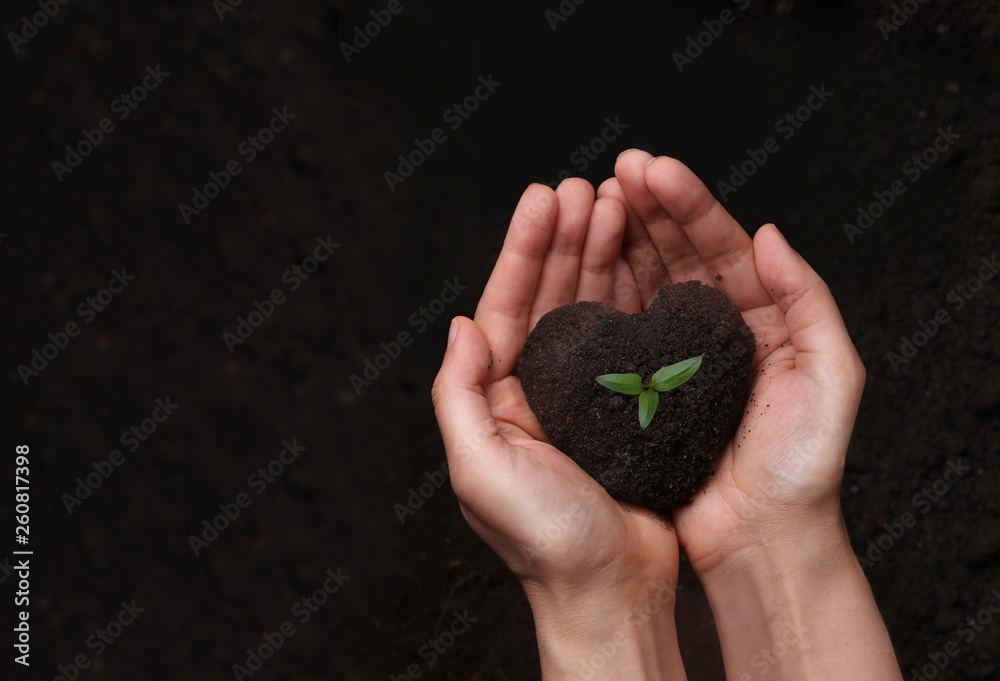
[757, 474]
[572, 520]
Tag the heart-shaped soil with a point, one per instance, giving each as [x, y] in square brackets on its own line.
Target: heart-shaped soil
[662, 466]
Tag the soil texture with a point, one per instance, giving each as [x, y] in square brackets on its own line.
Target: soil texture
[659, 467]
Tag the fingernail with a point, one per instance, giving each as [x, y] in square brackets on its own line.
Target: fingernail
[626, 151]
[452, 332]
[779, 232]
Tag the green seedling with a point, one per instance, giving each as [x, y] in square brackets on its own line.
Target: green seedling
[665, 379]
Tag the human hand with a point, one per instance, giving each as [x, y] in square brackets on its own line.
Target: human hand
[600, 575]
[766, 534]
[785, 464]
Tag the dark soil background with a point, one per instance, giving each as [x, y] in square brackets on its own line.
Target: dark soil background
[335, 506]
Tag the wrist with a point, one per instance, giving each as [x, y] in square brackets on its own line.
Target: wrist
[623, 632]
[776, 568]
[791, 605]
[784, 536]
[792, 546]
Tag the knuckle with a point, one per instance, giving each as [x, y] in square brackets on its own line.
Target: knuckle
[437, 392]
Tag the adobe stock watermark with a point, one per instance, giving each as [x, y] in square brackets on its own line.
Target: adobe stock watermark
[558, 527]
[697, 44]
[22, 600]
[957, 297]
[7, 570]
[433, 480]
[589, 152]
[419, 320]
[364, 35]
[664, 594]
[123, 106]
[302, 611]
[87, 311]
[968, 630]
[30, 26]
[437, 646]
[454, 117]
[131, 439]
[257, 481]
[923, 501]
[248, 149]
[901, 13]
[766, 658]
[786, 126]
[913, 170]
[562, 13]
[224, 7]
[100, 641]
[294, 276]
[827, 430]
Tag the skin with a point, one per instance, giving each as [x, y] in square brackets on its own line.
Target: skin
[766, 535]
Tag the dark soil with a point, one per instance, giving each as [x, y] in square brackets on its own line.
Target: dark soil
[336, 506]
[662, 466]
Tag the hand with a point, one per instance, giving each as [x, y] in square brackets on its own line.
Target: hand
[600, 575]
[786, 460]
[766, 534]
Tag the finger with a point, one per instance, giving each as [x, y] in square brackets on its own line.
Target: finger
[627, 297]
[626, 292]
[721, 245]
[609, 189]
[459, 395]
[504, 310]
[601, 252]
[638, 250]
[822, 344]
[561, 268]
[679, 256]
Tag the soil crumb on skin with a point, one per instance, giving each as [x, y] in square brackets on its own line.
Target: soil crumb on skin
[660, 467]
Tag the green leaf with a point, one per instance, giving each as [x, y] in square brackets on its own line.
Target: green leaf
[672, 376]
[629, 384]
[647, 407]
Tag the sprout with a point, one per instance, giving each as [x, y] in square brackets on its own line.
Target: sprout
[665, 379]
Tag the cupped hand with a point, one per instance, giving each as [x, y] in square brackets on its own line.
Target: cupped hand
[554, 526]
[784, 467]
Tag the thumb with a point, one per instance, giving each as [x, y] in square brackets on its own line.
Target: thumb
[459, 394]
[816, 328]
